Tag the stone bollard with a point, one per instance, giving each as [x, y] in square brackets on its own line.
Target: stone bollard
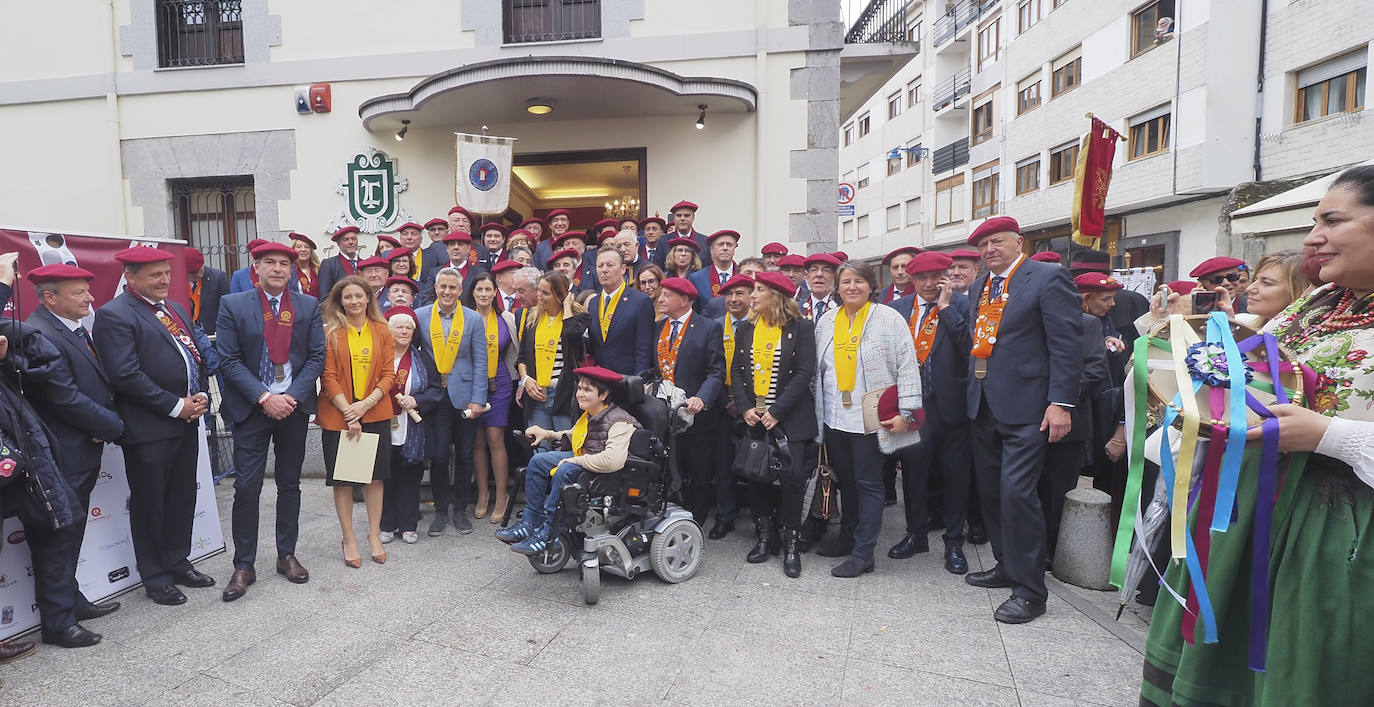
[1084, 555]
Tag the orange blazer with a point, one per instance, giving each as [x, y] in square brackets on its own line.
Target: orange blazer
[337, 378]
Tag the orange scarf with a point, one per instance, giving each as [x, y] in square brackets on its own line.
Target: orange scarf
[667, 351]
[923, 332]
[990, 315]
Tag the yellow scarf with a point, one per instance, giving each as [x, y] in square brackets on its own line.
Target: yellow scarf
[548, 332]
[728, 339]
[848, 333]
[766, 339]
[445, 349]
[360, 353]
[608, 305]
[493, 343]
[579, 440]
[415, 264]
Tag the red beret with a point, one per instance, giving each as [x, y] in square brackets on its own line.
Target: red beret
[271, 247]
[740, 280]
[195, 259]
[504, 265]
[396, 254]
[60, 272]
[929, 262]
[435, 222]
[1211, 265]
[967, 254]
[1096, 282]
[254, 244]
[840, 256]
[909, 249]
[683, 205]
[458, 237]
[142, 255]
[606, 234]
[493, 227]
[343, 232]
[565, 253]
[1047, 256]
[773, 248]
[996, 224]
[680, 285]
[401, 309]
[374, 261]
[410, 224]
[460, 210]
[653, 219]
[723, 232]
[777, 281]
[559, 212]
[690, 243]
[604, 375]
[792, 261]
[385, 238]
[568, 235]
[822, 259]
[520, 232]
[888, 408]
[603, 223]
[401, 280]
[301, 237]
[1182, 287]
[530, 220]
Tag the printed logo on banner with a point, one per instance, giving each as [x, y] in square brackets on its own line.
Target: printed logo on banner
[110, 546]
[117, 575]
[97, 514]
[483, 174]
[28, 571]
[16, 537]
[5, 581]
[7, 614]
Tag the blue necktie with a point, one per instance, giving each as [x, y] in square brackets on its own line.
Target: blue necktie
[265, 367]
[672, 336]
[996, 290]
[927, 381]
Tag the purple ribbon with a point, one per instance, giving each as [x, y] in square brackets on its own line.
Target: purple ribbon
[1264, 522]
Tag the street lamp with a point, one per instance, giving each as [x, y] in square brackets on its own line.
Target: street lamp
[894, 156]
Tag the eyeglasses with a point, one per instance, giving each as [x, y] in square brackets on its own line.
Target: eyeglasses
[1215, 280]
[649, 281]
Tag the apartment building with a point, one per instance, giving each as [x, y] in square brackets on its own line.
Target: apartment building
[988, 117]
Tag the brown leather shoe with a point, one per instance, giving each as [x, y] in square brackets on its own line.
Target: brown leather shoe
[291, 567]
[238, 584]
[15, 650]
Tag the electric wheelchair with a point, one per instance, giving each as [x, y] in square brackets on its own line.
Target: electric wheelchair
[622, 521]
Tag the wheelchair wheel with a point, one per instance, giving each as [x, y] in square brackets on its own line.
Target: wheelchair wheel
[675, 553]
[591, 582]
[554, 557]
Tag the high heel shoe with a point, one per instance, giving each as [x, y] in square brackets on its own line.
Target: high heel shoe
[479, 510]
[379, 559]
[498, 508]
[356, 562]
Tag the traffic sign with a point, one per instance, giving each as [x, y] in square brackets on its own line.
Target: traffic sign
[846, 193]
[846, 209]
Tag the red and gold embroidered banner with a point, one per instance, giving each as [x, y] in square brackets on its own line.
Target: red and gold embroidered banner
[1091, 176]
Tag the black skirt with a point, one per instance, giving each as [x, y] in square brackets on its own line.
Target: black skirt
[381, 467]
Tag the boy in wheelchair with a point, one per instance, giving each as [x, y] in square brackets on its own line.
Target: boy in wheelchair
[599, 443]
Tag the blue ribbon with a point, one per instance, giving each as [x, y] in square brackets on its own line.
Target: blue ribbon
[1220, 328]
[1166, 468]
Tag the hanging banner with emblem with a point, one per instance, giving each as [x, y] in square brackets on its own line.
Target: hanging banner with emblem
[483, 177]
[373, 190]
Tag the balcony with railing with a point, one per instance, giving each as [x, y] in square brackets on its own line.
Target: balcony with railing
[950, 156]
[958, 17]
[947, 93]
[882, 21]
[875, 48]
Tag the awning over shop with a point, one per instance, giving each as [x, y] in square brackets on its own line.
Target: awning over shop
[1284, 212]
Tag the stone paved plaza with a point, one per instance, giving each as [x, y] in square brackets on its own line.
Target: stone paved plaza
[462, 620]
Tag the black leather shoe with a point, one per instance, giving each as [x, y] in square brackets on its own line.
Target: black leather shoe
[167, 596]
[86, 610]
[73, 636]
[852, 567]
[1019, 610]
[991, 579]
[977, 534]
[763, 534]
[955, 561]
[720, 530]
[838, 547]
[791, 557]
[910, 545]
[193, 578]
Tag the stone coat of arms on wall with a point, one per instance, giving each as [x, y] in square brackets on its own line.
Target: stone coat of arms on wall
[373, 190]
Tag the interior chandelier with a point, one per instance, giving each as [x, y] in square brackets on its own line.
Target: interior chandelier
[625, 207]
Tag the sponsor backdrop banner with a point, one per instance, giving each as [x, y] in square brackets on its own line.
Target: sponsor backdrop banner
[106, 566]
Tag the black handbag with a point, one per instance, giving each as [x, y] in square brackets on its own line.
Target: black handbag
[761, 458]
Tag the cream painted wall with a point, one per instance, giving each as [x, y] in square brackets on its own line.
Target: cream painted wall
[54, 39]
[64, 167]
[366, 27]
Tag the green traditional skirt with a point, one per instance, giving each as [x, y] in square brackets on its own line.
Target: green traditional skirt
[1321, 618]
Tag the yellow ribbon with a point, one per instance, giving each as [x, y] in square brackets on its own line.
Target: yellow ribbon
[608, 305]
[1181, 336]
[547, 334]
[445, 348]
[848, 334]
[493, 343]
[766, 339]
[360, 356]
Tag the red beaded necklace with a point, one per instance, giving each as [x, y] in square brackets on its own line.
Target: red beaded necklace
[1342, 316]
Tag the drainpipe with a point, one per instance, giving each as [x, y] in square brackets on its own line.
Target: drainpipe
[112, 113]
[760, 163]
[1259, 91]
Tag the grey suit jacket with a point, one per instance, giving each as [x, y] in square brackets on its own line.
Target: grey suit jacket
[464, 384]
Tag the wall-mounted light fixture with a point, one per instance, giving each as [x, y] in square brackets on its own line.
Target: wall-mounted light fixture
[401, 134]
[539, 106]
[701, 117]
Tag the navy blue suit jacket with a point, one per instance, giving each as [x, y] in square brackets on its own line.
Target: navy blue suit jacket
[214, 284]
[629, 347]
[700, 370]
[240, 345]
[948, 359]
[77, 403]
[701, 279]
[1036, 359]
[145, 366]
[242, 281]
[331, 271]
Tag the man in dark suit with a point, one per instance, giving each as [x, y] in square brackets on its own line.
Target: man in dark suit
[939, 322]
[622, 331]
[1024, 379]
[628, 244]
[457, 254]
[342, 265]
[655, 248]
[157, 360]
[271, 350]
[690, 355]
[207, 285]
[734, 299]
[722, 267]
[684, 224]
[78, 406]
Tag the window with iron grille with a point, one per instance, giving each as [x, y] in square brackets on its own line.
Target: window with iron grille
[199, 32]
[217, 216]
[525, 21]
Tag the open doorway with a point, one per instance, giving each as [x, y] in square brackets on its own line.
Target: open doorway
[591, 184]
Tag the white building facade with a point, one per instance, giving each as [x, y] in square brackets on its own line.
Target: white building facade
[998, 97]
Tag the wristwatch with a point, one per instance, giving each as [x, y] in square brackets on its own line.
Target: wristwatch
[909, 416]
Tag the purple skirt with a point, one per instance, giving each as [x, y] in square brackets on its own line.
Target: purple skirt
[499, 397]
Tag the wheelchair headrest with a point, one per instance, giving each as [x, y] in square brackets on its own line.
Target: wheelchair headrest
[633, 391]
